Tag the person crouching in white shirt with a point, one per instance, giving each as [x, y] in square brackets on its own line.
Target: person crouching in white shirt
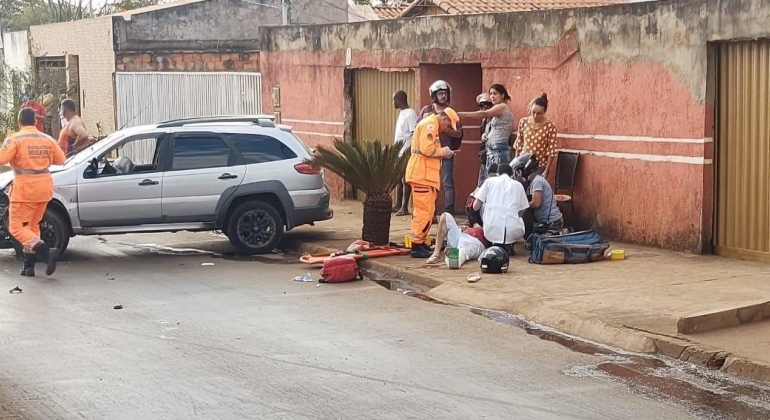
[503, 199]
[407, 120]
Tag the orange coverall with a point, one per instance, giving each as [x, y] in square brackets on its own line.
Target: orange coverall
[423, 173]
[30, 154]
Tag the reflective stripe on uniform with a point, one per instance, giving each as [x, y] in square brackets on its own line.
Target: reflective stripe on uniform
[29, 171]
[417, 152]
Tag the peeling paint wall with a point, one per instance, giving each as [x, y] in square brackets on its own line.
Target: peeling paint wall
[628, 85]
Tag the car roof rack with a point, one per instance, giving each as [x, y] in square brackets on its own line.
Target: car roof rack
[262, 120]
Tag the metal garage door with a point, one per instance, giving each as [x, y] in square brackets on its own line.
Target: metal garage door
[743, 151]
[150, 97]
[374, 113]
[375, 117]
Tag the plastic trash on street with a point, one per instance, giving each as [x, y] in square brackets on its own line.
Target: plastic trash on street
[474, 277]
[305, 279]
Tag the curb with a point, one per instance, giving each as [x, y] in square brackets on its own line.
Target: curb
[724, 318]
[622, 337]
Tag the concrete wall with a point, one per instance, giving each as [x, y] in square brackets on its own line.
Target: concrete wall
[629, 88]
[91, 41]
[214, 24]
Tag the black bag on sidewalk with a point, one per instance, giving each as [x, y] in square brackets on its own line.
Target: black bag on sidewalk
[572, 248]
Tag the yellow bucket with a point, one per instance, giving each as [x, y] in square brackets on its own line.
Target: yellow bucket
[618, 254]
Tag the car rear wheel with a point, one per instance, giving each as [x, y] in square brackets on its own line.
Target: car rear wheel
[255, 227]
[54, 231]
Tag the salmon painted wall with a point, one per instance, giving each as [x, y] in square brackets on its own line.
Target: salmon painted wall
[312, 102]
[641, 173]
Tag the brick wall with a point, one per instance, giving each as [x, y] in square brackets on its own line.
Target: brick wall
[188, 61]
[91, 41]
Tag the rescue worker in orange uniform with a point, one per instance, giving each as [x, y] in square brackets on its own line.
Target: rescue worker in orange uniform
[423, 174]
[30, 154]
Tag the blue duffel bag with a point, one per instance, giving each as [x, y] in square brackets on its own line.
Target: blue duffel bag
[572, 248]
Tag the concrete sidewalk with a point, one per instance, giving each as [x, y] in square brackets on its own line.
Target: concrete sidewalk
[701, 309]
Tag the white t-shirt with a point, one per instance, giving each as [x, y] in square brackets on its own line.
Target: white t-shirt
[503, 199]
[407, 120]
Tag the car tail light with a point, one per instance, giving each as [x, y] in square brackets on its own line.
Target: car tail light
[307, 168]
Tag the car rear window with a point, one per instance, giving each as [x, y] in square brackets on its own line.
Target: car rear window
[199, 152]
[257, 148]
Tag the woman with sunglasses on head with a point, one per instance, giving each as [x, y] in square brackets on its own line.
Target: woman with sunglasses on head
[498, 129]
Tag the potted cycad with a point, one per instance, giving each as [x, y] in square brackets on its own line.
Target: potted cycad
[373, 168]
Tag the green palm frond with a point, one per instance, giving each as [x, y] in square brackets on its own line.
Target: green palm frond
[369, 166]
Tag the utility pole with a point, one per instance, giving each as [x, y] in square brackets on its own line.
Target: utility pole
[286, 12]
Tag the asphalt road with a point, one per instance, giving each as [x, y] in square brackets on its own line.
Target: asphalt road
[205, 337]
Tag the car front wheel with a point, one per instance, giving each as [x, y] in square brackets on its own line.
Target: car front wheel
[255, 227]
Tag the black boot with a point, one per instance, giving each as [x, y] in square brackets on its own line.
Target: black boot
[421, 251]
[29, 265]
[48, 255]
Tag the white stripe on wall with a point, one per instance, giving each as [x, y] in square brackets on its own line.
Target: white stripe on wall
[312, 133]
[635, 138]
[692, 160]
[342, 124]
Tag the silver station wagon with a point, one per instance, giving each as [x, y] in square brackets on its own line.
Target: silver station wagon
[243, 175]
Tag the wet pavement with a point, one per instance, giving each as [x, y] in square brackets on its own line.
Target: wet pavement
[204, 333]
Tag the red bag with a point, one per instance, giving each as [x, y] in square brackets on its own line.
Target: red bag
[340, 269]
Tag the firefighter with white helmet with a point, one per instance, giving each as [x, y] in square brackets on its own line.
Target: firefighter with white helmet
[441, 95]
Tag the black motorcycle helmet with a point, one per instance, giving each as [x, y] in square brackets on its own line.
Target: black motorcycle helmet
[495, 260]
[525, 164]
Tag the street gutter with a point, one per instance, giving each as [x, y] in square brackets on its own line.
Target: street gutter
[622, 337]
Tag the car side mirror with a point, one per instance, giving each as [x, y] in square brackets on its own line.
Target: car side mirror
[92, 168]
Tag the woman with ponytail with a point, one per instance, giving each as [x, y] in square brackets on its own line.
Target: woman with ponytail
[537, 135]
[498, 130]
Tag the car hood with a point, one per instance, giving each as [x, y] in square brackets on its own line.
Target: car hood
[7, 176]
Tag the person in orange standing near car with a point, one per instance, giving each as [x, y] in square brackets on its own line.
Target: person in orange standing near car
[423, 174]
[30, 154]
[73, 135]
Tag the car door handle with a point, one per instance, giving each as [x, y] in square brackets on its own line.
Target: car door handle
[227, 176]
[148, 182]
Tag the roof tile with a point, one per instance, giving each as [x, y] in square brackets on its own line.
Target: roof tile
[500, 6]
[388, 12]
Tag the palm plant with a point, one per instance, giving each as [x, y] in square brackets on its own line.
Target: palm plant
[373, 168]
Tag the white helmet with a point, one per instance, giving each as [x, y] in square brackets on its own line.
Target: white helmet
[439, 85]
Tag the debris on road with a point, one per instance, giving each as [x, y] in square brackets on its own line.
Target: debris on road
[305, 279]
[474, 277]
[118, 307]
[15, 290]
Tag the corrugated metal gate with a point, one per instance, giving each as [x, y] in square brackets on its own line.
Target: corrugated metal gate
[150, 97]
[374, 114]
[743, 151]
[375, 117]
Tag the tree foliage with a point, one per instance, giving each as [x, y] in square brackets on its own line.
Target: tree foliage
[18, 15]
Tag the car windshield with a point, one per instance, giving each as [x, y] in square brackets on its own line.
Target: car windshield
[79, 156]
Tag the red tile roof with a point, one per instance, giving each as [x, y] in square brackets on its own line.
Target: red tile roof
[461, 7]
[388, 12]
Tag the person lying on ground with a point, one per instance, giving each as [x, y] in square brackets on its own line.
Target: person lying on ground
[543, 210]
[503, 199]
[469, 242]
